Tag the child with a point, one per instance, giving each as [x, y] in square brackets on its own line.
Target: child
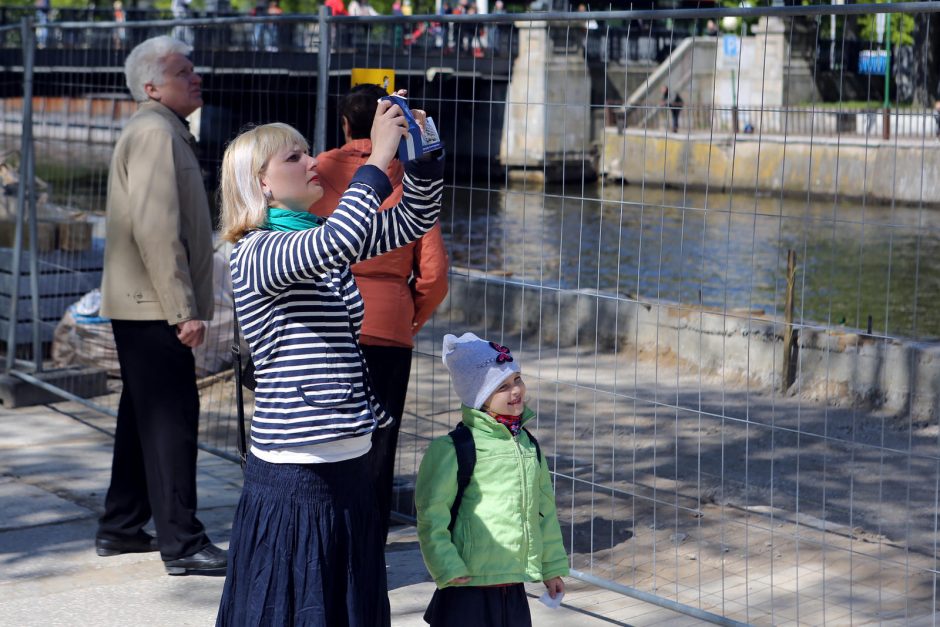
[506, 530]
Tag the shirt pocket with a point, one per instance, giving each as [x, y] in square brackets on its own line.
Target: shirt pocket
[325, 394]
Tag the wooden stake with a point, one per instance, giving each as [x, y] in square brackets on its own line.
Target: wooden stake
[790, 345]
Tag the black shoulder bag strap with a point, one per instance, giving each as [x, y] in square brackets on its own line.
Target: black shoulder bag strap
[466, 460]
[239, 397]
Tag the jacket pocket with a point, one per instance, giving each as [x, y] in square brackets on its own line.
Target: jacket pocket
[463, 540]
[141, 295]
[325, 394]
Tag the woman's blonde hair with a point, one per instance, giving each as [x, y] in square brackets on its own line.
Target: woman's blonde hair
[244, 206]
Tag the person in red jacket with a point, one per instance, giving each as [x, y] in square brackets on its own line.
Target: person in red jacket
[400, 289]
[336, 6]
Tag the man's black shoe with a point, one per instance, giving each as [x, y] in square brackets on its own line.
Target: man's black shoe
[141, 543]
[210, 561]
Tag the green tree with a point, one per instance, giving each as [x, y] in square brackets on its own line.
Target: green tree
[902, 26]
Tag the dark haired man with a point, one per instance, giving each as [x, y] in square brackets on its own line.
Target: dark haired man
[400, 289]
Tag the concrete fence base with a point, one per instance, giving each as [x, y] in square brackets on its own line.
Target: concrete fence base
[836, 366]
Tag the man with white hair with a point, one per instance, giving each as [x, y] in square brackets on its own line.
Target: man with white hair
[157, 290]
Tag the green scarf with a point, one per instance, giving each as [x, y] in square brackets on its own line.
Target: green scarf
[287, 220]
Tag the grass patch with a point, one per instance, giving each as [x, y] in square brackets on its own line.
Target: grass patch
[857, 105]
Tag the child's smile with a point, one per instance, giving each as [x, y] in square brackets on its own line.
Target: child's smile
[509, 397]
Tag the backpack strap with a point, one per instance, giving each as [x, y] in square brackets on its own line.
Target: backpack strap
[466, 460]
[538, 449]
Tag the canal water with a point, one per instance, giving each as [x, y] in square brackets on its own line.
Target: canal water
[722, 250]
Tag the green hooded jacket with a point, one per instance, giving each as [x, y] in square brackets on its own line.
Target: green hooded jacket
[507, 529]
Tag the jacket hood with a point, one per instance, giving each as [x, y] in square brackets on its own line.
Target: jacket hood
[482, 421]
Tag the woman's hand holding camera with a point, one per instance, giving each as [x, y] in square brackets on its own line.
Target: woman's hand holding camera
[388, 127]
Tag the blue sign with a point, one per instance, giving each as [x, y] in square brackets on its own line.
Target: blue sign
[872, 62]
[729, 45]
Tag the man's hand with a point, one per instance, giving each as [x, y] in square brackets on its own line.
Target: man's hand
[459, 580]
[420, 117]
[555, 586]
[191, 333]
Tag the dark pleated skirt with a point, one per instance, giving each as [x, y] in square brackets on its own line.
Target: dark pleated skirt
[479, 606]
[306, 548]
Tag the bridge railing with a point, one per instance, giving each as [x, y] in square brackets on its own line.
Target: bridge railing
[729, 337]
[633, 42]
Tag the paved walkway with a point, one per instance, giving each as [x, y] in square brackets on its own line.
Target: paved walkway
[54, 470]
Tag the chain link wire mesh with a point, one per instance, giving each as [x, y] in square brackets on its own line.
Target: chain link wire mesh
[723, 304]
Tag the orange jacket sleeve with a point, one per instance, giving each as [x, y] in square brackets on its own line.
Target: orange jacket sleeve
[429, 286]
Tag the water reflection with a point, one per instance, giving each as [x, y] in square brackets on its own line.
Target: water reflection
[721, 250]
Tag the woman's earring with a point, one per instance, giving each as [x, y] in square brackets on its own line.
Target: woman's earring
[268, 196]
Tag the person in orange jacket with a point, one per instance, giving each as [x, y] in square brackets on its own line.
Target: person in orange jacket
[400, 289]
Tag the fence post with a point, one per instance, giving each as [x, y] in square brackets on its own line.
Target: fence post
[323, 82]
[886, 120]
[25, 202]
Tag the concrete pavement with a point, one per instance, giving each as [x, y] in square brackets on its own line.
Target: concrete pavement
[54, 470]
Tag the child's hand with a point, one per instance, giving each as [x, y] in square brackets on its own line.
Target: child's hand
[456, 581]
[555, 586]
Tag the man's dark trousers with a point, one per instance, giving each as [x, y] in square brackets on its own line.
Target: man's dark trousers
[389, 370]
[154, 466]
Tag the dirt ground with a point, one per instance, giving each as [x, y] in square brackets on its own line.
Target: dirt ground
[764, 508]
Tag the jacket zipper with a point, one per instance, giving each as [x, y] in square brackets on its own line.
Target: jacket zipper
[525, 503]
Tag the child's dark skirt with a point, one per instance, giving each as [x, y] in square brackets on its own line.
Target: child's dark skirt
[479, 606]
[306, 548]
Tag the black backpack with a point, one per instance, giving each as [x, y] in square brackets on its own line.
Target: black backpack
[467, 459]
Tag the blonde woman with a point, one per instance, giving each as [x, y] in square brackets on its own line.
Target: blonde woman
[306, 546]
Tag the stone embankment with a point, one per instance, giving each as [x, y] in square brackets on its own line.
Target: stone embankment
[896, 170]
[839, 366]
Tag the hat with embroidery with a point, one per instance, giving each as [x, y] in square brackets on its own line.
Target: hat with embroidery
[476, 367]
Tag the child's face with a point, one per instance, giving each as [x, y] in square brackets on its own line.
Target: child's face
[509, 397]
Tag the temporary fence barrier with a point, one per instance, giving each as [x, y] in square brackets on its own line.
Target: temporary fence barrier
[723, 305]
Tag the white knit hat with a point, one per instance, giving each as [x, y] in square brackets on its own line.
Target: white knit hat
[477, 367]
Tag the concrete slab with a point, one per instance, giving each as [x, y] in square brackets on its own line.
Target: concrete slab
[22, 505]
[54, 471]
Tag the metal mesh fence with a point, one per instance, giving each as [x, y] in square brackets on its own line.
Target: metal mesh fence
[722, 303]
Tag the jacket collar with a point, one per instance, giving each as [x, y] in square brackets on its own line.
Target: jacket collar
[358, 147]
[482, 421]
[175, 121]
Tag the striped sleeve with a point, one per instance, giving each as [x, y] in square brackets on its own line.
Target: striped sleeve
[281, 259]
[414, 215]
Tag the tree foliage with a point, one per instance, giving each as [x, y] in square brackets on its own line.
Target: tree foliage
[902, 26]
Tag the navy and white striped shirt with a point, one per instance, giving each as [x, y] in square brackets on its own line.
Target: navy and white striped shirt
[300, 311]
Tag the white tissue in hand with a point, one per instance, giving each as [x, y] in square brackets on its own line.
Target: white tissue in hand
[550, 602]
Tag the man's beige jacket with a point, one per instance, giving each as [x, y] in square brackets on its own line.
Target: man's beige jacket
[158, 247]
